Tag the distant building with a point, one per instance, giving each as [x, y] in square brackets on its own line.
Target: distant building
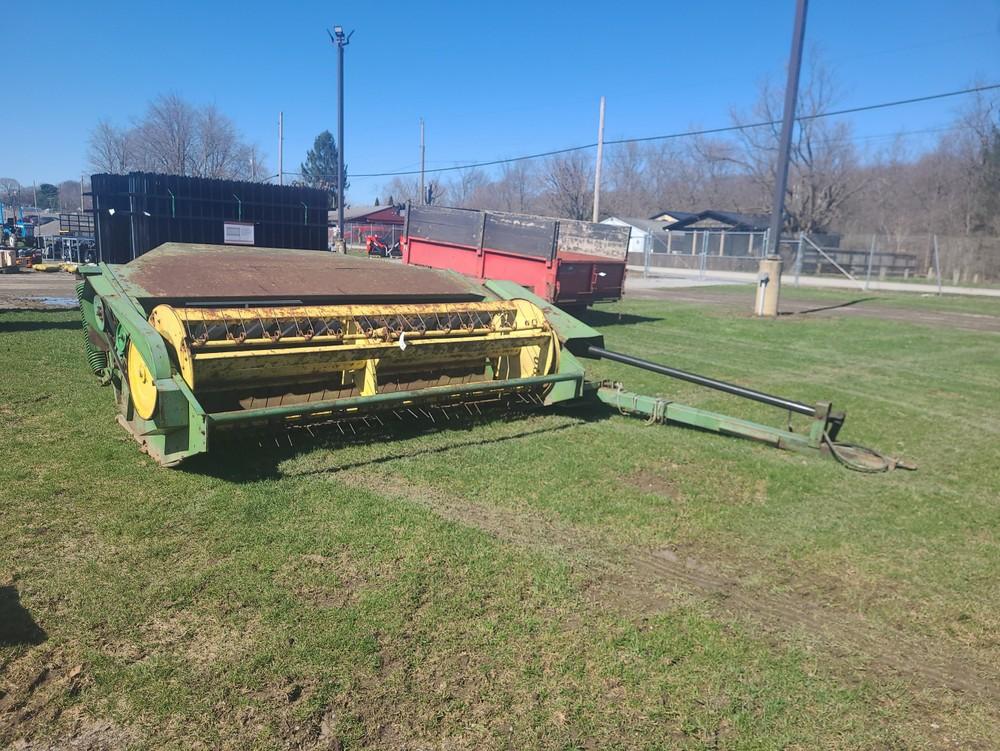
[361, 221]
[711, 219]
[710, 232]
[643, 231]
[669, 217]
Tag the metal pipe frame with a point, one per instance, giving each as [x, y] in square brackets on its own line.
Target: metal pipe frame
[729, 388]
[361, 404]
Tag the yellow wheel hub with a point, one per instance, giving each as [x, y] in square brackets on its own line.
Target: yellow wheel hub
[140, 383]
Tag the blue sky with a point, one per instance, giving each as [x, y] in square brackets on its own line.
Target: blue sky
[491, 79]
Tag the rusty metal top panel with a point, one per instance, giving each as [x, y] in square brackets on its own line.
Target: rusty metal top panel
[189, 273]
[522, 234]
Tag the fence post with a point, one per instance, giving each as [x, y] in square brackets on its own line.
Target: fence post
[702, 259]
[868, 273]
[798, 261]
[937, 264]
[646, 247]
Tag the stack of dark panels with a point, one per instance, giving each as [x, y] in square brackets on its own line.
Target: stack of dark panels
[76, 224]
[140, 211]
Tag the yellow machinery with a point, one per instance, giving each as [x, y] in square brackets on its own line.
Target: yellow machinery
[198, 339]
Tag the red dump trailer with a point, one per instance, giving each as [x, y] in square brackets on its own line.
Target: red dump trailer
[567, 262]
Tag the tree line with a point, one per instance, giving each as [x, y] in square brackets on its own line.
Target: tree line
[65, 196]
[835, 184]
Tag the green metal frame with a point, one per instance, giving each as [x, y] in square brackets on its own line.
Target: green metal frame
[179, 427]
[577, 336]
[661, 410]
[574, 335]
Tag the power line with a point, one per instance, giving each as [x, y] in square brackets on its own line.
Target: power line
[688, 133]
[869, 137]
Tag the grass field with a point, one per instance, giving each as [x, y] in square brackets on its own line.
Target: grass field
[564, 579]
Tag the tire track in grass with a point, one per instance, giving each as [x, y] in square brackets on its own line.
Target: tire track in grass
[641, 581]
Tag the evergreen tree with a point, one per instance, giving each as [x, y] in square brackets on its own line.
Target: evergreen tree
[376, 201]
[48, 196]
[319, 170]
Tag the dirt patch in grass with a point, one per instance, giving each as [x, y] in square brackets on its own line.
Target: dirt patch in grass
[642, 582]
[327, 581]
[655, 482]
[659, 481]
[84, 734]
[37, 690]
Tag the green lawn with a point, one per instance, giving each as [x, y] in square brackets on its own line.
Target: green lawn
[917, 301]
[564, 579]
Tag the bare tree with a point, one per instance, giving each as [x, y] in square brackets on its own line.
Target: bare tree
[175, 137]
[10, 190]
[402, 190]
[69, 195]
[463, 190]
[216, 148]
[975, 145]
[823, 172]
[626, 191]
[167, 136]
[110, 149]
[569, 185]
[517, 187]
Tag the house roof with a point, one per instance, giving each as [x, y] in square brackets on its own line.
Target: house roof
[354, 213]
[647, 225]
[678, 215]
[736, 221]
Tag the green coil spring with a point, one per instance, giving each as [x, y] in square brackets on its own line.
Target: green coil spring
[98, 360]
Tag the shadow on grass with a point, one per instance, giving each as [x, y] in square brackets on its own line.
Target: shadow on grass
[16, 624]
[250, 458]
[41, 323]
[593, 317]
[834, 306]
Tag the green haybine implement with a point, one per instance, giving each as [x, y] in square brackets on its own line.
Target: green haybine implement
[196, 340]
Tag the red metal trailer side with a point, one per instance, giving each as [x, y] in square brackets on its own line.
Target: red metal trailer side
[567, 262]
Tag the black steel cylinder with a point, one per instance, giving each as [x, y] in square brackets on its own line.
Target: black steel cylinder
[683, 375]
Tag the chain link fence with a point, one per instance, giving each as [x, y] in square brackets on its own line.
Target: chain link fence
[858, 256]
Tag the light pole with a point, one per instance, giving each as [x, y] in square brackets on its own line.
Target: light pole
[597, 166]
[341, 40]
[769, 278]
[281, 148]
[423, 196]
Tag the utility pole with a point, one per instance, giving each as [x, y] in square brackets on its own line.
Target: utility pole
[281, 148]
[597, 168]
[423, 196]
[341, 40]
[34, 194]
[81, 194]
[769, 279]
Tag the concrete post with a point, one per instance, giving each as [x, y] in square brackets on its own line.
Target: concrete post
[768, 287]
